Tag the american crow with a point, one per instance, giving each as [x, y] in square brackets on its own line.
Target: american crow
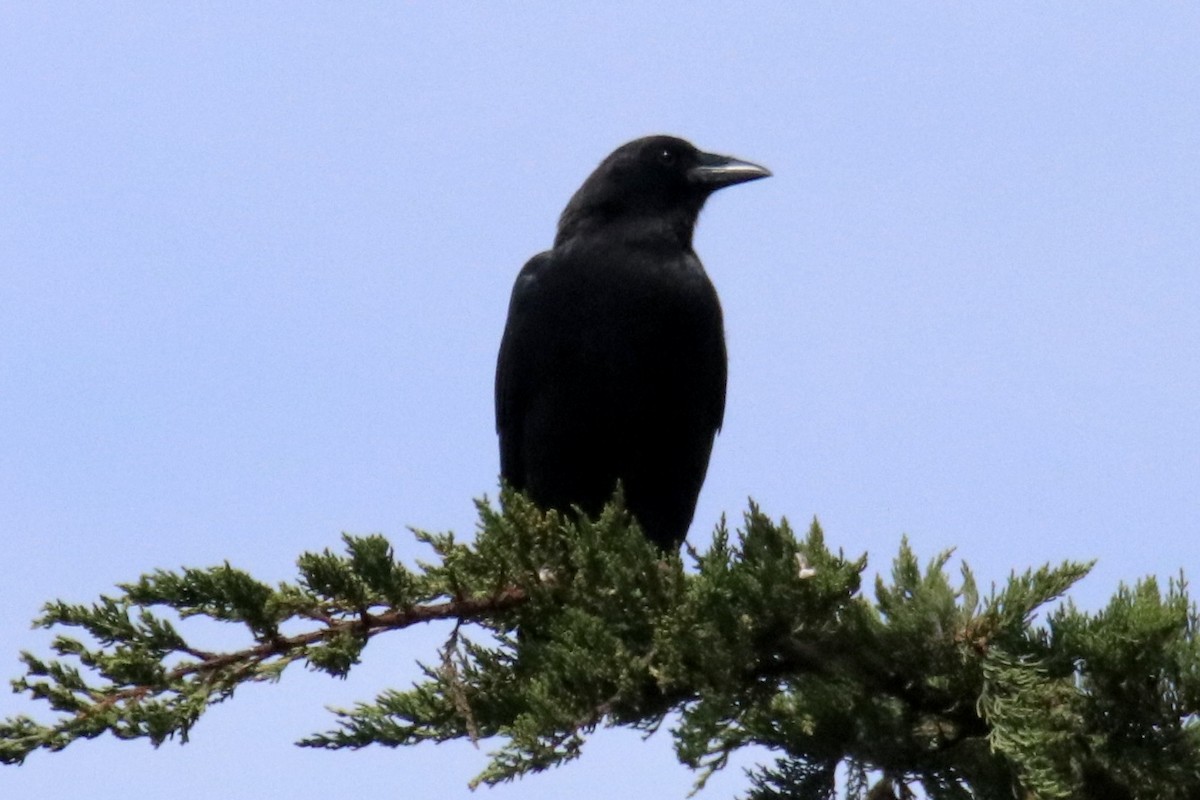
[612, 365]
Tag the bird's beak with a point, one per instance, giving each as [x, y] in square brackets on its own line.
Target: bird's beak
[716, 172]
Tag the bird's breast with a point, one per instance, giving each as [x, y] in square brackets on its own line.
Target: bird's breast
[640, 326]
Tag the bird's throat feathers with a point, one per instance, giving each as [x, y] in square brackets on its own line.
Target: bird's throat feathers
[629, 223]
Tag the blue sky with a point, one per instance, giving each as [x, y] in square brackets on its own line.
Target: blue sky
[255, 263]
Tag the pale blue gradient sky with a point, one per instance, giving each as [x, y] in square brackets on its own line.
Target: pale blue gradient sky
[255, 264]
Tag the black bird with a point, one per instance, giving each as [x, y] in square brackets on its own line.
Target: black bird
[612, 366]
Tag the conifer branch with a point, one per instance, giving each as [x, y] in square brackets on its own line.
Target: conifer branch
[563, 626]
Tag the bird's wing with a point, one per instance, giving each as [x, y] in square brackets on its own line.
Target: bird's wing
[712, 362]
[515, 366]
[719, 366]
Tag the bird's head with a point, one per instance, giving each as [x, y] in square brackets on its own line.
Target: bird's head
[653, 182]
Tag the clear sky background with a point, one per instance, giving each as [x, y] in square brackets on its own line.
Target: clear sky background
[255, 262]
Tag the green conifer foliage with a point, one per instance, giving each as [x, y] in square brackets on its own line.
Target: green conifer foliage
[765, 638]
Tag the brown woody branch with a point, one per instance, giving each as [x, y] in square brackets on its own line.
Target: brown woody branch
[365, 626]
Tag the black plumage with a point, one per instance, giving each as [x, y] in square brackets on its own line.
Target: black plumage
[612, 366]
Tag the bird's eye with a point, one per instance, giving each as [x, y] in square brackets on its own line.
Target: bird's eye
[666, 156]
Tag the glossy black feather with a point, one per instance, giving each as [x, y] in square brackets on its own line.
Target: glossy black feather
[612, 366]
